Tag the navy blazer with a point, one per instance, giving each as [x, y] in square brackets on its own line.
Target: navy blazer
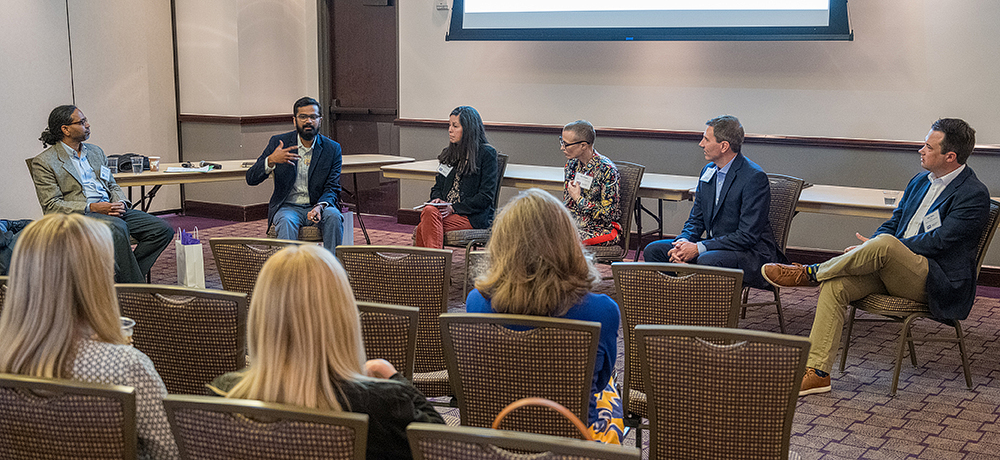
[740, 222]
[477, 191]
[324, 172]
[951, 249]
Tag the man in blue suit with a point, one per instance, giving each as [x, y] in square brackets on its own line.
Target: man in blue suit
[306, 168]
[925, 252]
[728, 225]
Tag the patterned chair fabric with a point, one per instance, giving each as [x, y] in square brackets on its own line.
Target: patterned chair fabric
[412, 277]
[496, 359]
[785, 191]
[390, 333]
[306, 233]
[475, 265]
[207, 427]
[430, 441]
[629, 179]
[58, 419]
[3, 291]
[239, 260]
[720, 393]
[694, 296]
[191, 335]
[906, 311]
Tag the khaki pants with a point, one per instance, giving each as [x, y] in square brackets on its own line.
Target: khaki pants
[881, 265]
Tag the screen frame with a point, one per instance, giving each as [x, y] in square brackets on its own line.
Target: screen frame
[839, 28]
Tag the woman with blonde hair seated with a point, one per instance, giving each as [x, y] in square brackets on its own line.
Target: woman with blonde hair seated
[537, 267]
[61, 320]
[304, 339]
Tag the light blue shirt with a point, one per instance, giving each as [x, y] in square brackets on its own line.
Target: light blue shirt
[93, 189]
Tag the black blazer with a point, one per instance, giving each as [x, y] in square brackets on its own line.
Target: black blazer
[952, 248]
[324, 172]
[477, 191]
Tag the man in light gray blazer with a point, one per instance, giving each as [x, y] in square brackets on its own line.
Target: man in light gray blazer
[72, 176]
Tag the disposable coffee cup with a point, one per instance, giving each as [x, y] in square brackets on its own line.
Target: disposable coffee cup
[154, 163]
[128, 326]
[137, 165]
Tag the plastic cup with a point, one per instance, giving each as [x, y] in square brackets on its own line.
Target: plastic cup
[154, 163]
[137, 165]
[113, 165]
[128, 326]
[890, 197]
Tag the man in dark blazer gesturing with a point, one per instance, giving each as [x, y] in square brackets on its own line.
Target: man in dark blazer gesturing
[306, 168]
[729, 225]
[925, 252]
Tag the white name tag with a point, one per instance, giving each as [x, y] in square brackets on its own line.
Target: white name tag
[932, 220]
[444, 170]
[584, 180]
[708, 174]
[105, 173]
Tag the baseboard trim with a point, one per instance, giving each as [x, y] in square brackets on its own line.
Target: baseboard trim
[233, 212]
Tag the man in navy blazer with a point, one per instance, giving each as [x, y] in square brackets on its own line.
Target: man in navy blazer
[728, 225]
[925, 252]
[306, 168]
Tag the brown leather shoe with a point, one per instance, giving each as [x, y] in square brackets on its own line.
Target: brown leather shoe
[813, 384]
[782, 275]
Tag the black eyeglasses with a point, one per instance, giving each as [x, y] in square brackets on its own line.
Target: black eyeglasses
[304, 117]
[563, 143]
[83, 121]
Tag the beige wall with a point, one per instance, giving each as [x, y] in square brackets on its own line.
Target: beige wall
[121, 76]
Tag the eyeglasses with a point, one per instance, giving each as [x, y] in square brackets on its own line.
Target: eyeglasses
[82, 122]
[304, 117]
[563, 143]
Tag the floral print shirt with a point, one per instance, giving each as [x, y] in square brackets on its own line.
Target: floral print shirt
[599, 207]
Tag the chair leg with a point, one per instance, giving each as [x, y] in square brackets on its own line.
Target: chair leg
[913, 351]
[965, 357]
[777, 305]
[847, 338]
[903, 336]
[746, 298]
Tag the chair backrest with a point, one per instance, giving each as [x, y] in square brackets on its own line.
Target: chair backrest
[390, 333]
[212, 427]
[496, 359]
[720, 393]
[191, 335]
[3, 291]
[239, 260]
[694, 295]
[785, 191]
[409, 276]
[429, 441]
[474, 266]
[629, 179]
[501, 170]
[987, 236]
[57, 419]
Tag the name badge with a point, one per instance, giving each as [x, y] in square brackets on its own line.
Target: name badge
[444, 170]
[584, 180]
[932, 220]
[707, 176]
[105, 173]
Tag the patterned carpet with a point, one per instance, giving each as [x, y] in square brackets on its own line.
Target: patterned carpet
[932, 416]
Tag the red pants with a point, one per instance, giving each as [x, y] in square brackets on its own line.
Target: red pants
[430, 230]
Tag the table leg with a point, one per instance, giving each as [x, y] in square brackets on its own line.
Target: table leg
[357, 208]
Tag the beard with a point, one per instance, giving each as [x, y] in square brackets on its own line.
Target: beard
[306, 132]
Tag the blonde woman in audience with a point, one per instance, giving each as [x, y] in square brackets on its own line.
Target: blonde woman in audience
[537, 267]
[61, 320]
[304, 338]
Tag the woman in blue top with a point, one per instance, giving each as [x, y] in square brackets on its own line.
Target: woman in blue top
[537, 267]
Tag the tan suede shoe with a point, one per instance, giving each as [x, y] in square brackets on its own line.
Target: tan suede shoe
[782, 275]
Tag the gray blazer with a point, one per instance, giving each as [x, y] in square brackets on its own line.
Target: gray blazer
[58, 184]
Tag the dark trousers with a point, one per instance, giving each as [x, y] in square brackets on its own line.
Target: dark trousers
[657, 252]
[153, 236]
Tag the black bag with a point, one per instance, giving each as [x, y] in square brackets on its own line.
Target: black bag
[125, 161]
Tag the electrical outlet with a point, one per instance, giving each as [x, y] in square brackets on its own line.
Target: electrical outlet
[442, 5]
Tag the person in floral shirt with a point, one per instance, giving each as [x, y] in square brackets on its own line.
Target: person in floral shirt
[590, 190]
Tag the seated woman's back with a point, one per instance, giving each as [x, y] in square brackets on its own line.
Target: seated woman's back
[304, 338]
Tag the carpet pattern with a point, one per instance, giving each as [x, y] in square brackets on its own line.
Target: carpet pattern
[932, 416]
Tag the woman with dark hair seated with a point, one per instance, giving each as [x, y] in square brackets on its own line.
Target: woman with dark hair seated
[304, 339]
[465, 187]
[537, 267]
[61, 320]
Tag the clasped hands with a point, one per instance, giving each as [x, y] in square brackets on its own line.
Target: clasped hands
[116, 209]
[445, 210]
[683, 251]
